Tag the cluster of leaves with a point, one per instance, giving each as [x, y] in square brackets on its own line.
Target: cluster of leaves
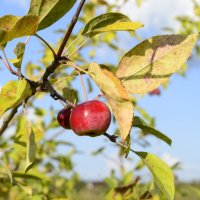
[141, 69]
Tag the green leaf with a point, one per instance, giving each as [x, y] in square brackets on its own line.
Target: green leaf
[13, 93]
[116, 95]
[161, 172]
[139, 123]
[14, 27]
[31, 147]
[153, 61]
[7, 170]
[49, 11]
[19, 52]
[70, 94]
[28, 134]
[128, 141]
[33, 174]
[110, 22]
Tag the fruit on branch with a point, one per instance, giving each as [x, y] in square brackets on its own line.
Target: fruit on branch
[155, 92]
[91, 118]
[63, 117]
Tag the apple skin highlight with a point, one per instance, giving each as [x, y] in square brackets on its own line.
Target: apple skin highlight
[91, 118]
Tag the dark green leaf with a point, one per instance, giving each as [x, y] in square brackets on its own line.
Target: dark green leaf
[110, 22]
[139, 123]
[49, 11]
[70, 94]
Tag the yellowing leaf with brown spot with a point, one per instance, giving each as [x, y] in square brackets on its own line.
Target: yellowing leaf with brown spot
[153, 61]
[12, 27]
[116, 95]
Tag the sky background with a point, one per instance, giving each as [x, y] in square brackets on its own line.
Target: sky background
[176, 110]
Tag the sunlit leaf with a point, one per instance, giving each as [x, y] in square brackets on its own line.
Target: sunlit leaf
[110, 22]
[49, 11]
[14, 27]
[153, 61]
[116, 95]
[13, 93]
[161, 172]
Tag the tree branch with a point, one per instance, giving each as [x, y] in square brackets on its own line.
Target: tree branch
[55, 95]
[51, 68]
[8, 119]
[70, 29]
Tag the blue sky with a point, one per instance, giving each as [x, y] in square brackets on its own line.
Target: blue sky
[176, 110]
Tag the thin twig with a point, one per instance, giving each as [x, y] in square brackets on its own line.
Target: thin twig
[27, 40]
[71, 54]
[45, 42]
[7, 64]
[66, 49]
[70, 29]
[76, 67]
[8, 119]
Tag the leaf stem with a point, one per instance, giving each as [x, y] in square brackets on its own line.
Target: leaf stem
[70, 29]
[27, 40]
[113, 138]
[66, 49]
[71, 54]
[72, 64]
[48, 45]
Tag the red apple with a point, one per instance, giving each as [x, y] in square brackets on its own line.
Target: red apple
[155, 92]
[91, 118]
[63, 117]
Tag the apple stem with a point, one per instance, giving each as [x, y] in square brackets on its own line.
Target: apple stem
[83, 85]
